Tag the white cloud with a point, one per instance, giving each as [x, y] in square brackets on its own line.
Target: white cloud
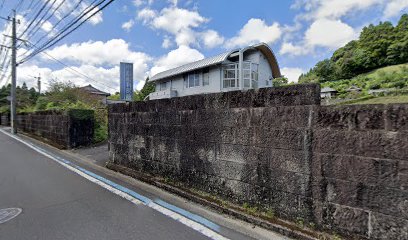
[176, 20]
[26, 73]
[294, 50]
[329, 33]
[175, 58]
[105, 79]
[97, 18]
[183, 24]
[140, 85]
[255, 31]
[292, 74]
[166, 42]
[212, 39]
[128, 25]
[100, 57]
[47, 26]
[395, 7]
[335, 9]
[99, 53]
[326, 27]
[137, 3]
[146, 14]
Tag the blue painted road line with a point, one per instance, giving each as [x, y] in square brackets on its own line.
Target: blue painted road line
[158, 204]
[189, 215]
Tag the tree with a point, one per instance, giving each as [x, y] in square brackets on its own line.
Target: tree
[148, 88]
[325, 70]
[280, 81]
[378, 46]
[115, 96]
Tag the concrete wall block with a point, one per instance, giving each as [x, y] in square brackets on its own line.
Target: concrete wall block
[370, 117]
[347, 220]
[370, 171]
[396, 117]
[281, 117]
[291, 206]
[390, 145]
[336, 142]
[373, 198]
[289, 139]
[387, 227]
[230, 170]
[387, 201]
[357, 117]
[287, 160]
[234, 153]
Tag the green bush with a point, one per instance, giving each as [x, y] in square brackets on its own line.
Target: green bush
[100, 133]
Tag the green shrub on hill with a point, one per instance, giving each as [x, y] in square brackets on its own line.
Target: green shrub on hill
[378, 46]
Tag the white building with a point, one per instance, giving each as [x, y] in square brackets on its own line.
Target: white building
[327, 92]
[247, 68]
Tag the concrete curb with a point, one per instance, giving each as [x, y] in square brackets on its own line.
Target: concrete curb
[285, 228]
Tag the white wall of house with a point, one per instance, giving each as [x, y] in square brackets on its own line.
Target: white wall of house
[265, 72]
[176, 86]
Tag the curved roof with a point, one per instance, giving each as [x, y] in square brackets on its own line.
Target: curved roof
[207, 62]
[270, 56]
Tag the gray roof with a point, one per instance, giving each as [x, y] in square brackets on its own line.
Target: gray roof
[327, 89]
[91, 89]
[207, 62]
[262, 47]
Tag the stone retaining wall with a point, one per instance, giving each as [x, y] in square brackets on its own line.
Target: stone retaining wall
[5, 119]
[343, 168]
[63, 129]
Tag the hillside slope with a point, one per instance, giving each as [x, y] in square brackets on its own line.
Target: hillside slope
[383, 78]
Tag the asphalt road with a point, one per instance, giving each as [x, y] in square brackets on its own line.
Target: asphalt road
[57, 204]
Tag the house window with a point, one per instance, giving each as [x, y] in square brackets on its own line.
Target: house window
[163, 86]
[192, 80]
[254, 75]
[246, 68]
[230, 75]
[206, 77]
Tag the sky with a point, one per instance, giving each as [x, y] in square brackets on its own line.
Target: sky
[157, 35]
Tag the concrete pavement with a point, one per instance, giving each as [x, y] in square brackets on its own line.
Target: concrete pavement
[59, 204]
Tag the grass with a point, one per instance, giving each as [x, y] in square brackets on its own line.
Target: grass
[384, 100]
[387, 77]
[377, 73]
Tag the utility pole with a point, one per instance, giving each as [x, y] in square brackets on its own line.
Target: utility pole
[13, 76]
[13, 102]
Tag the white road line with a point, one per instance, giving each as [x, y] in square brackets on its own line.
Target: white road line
[176, 216]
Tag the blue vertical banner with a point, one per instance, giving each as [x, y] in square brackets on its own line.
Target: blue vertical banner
[126, 81]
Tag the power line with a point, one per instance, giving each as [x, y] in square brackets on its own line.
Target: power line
[76, 72]
[58, 37]
[42, 21]
[35, 18]
[61, 20]
[18, 5]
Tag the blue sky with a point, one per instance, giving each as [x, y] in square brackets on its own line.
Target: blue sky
[161, 34]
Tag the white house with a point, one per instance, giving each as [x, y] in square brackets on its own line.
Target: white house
[247, 68]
